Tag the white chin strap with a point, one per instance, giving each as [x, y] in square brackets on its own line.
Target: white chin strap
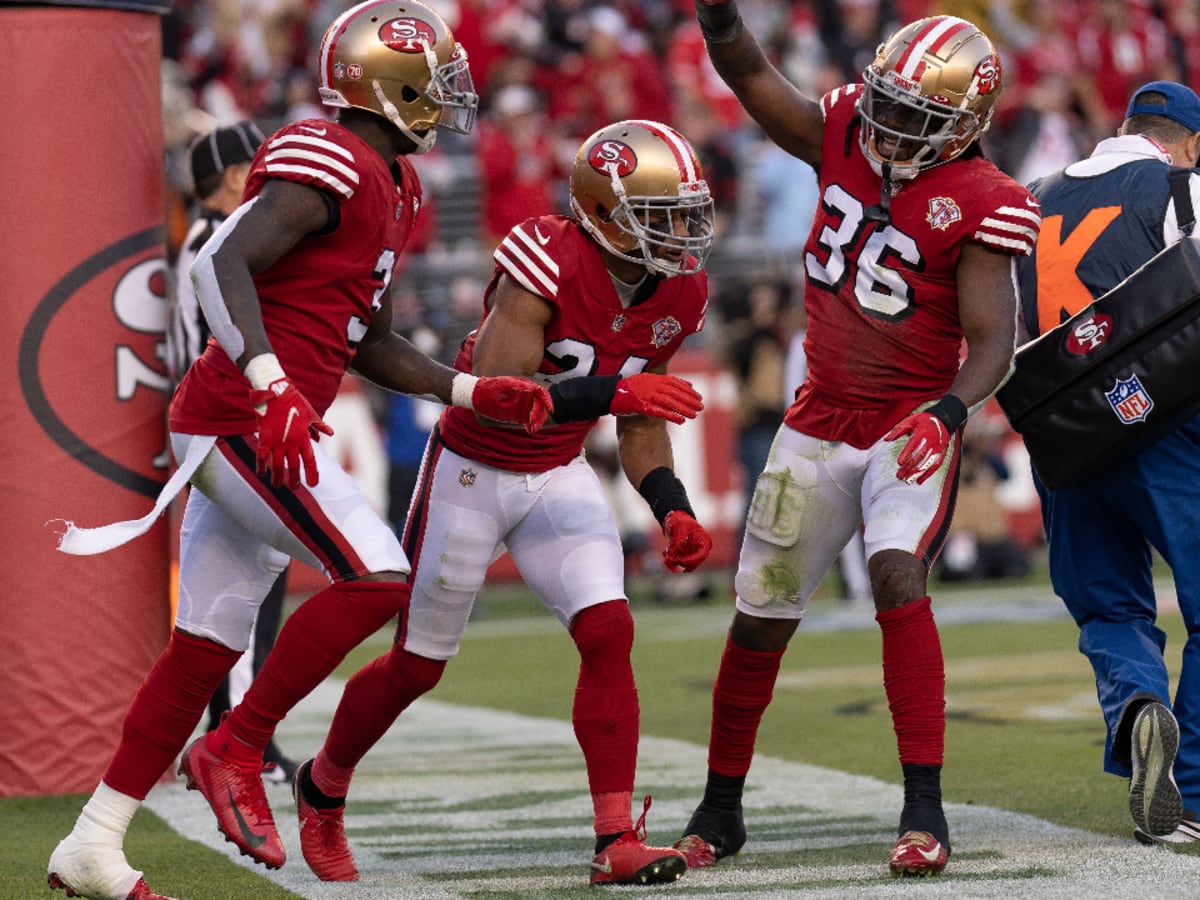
[389, 109]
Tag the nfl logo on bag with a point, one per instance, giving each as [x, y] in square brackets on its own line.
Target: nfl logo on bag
[1129, 400]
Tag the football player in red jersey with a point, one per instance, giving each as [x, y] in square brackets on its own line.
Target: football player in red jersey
[911, 252]
[295, 287]
[595, 305]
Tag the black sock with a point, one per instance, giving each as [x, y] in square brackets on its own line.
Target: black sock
[922, 783]
[605, 840]
[723, 791]
[313, 794]
[923, 803]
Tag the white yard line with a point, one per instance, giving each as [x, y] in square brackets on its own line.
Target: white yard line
[456, 800]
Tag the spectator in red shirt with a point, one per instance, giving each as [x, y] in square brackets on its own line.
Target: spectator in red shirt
[517, 166]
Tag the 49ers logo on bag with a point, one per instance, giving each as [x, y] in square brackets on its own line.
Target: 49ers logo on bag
[407, 35]
[1089, 335]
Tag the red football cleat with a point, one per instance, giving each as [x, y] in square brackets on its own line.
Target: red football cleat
[323, 836]
[629, 860]
[918, 853]
[140, 890]
[236, 796]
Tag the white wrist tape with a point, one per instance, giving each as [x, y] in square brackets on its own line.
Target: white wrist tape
[262, 370]
[462, 389]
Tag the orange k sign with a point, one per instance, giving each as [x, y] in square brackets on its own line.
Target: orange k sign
[1060, 292]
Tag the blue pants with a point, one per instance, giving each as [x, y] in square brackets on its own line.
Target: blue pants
[1100, 536]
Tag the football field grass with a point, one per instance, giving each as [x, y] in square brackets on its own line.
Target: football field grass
[480, 792]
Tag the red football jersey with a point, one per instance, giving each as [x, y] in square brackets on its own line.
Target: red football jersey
[882, 299]
[319, 297]
[590, 333]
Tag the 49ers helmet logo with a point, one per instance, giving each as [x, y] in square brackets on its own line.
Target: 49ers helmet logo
[988, 74]
[407, 35]
[608, 154]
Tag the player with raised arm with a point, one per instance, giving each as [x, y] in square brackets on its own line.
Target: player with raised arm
[909, 254]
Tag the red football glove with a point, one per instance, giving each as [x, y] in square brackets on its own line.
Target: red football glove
[688, 544]
[664, 396]
[287, 426]
[925, 450]
[506, 398]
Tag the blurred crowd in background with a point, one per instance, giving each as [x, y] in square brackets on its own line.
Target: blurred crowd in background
[550, 72]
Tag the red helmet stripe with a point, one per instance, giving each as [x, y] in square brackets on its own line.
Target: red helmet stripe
[689, 170]
[934, 36]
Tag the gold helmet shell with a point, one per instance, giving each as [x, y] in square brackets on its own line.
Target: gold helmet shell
[399, 59]
[929, 94]
[638, 189]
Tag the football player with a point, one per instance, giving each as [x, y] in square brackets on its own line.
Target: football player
[911, 252]
[295, 286]
[595, 305]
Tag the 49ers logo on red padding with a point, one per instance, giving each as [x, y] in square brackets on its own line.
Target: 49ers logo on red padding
[408, 35]
[607, 155]
[89, 391]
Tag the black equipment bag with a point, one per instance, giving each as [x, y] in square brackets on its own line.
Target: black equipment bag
[1116, 376]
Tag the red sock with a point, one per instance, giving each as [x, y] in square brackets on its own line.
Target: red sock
[745, 683]
[165, 710]
[605, 712]
[373, 699]
[914, 677]
[315, 638]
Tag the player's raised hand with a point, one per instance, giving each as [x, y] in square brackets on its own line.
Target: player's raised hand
[688, 543]
[650, 394]
[519, 401]
[287, 426]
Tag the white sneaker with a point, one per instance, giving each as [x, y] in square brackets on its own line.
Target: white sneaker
[97, 871]
[1187, 832]
[1154, 799]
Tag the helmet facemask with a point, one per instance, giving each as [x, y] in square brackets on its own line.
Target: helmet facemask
[668, 235]
[910, 133]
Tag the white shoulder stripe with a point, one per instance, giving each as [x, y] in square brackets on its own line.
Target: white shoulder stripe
[320, 144]
[324, 177]
[543, 257]
[1031, 214]
[518, 264]
[291, 154]
[1002, 225]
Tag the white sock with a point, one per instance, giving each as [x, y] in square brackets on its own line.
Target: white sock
[106, 816]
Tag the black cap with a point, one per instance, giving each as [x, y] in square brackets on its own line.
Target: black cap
[213, 153]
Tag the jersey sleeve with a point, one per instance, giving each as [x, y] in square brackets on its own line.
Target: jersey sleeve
[310, 153]
[530, 255]
[1012, 224]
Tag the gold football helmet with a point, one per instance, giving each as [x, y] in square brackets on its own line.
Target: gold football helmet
[929, 93]
[638, 189]
[399, 59]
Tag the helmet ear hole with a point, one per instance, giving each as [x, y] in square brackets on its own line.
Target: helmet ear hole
[408, 94]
